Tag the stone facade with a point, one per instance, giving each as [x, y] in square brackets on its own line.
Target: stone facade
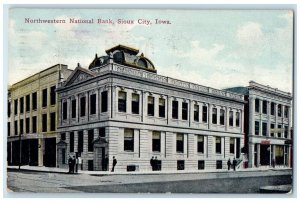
[133, 113]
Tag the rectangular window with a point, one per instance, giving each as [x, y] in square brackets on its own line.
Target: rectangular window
[214, 115]
[222, 116]
[237, 119]
[204, 114]
[256, 105]
[175, 109]
[272, 108]
[16, 106]
[34, 101]
[256, 127]
[73, 108]
[279, 110]
[156, 141]
[201, 165]
[33, 124]
[150, 106]
[231, 147]
[286, 131]
[65, 110]
[52, 95]
[90, 140]
[82, 106]
[93, 104]
[44, 98]
[22, 105]
[272, 129]
[231, 118]
[63, 136]
[104, 98]
[102, 132]
[135, 103]
[16, 127]
[162, 107]
[8, 109]
[185, 111]
[122, 101]
[179, 143]
[44, 122]
[264, 107]
[180, 165]
[219, 164]
[80, 142]
[8, 128]
[21, 126]
[27, 125]
[129, 140]
[264, 129]
[286, 112]
[52, 121]
[71, 141]
[27, 103]
[218, 145]
[279, 130]
[200, 144]
[196, 113]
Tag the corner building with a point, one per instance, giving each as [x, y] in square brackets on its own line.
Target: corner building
[268, 125]
[32, 118]
[121, 107]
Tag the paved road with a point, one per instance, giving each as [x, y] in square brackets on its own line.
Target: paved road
[225, 182]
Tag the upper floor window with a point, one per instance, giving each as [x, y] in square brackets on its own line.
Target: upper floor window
[156, 141]
[286, 112]
[204, 114]
[128, 139]
[34, 101]
[184, 111]
[222, 116]
[44, 122]
[231, 118]
[8, 109]
[218, 145]
[272, 127]
[150, 106]
[82, 106]
[104, 98]
[52, 121]
[135, 103]
[22, 105]
[279, 130]
[272, 108]
[214, 115]
[90, 140]
[122, 101]
[264, 109]
[279, 110]
[175, 109]
[52, 95]
[16, 127]
[16, 107]
[93, 102]
[44, 97]
[200, 144]
[256, 105]
[179, 142]
[256, 127]
[73, 103]
[27, 103]
[196, 113]
[162, 107]
[264, 129]
[34, 124]
[286, 131]
[65, 110]
[237, 119]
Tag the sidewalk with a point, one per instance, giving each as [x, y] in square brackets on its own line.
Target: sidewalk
[63, 170]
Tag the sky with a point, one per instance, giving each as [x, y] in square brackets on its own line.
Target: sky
[216, 48]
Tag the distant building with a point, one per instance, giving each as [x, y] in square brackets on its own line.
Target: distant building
[32, 117]
[267, 125]
[121, 107]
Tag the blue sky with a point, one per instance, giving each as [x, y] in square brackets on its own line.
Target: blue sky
[217, 48]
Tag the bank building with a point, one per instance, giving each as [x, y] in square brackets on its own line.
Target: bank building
[121, 107]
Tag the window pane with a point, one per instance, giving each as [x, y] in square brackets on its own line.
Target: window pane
[162, 107]
[156, 141]
[175, 109]
[204, 114]
[214, 115]
[93, 104]
[184, 111]
[231, 118]
[128, 140]
[135, 104]
[222, 116]
[150, 106]
[122, 101]
[104, 101]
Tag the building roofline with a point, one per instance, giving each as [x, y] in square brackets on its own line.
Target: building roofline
[253, 84]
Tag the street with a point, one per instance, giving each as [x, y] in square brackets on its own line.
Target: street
[212, 182]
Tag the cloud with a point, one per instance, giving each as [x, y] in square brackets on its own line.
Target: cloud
[250, 34]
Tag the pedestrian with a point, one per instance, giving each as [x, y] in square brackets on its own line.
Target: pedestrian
[155, 163]
[152, 163]
[73, 164]
[229, 164]
[114, 164]
[234, 163]
[70, 164]
[80, 163]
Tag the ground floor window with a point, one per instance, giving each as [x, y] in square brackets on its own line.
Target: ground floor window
[180, 165]
[219, 164]
[201, 165]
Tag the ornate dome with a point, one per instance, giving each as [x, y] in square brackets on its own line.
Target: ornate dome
[126, 56]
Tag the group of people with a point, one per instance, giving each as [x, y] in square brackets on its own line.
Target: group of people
[74, 163]
[233, 164]
[154, 163]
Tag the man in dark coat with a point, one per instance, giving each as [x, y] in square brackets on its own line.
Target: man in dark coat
[152, 162]
[234, 164]
[114, 164]
[229, 164]
[70, 164]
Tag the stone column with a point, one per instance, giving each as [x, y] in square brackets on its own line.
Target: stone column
[85, 150]
[41, 150]
[251, 115]
[276, 119]
[251, 155]
[258, 155]
[269, 119]
[76, 141]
